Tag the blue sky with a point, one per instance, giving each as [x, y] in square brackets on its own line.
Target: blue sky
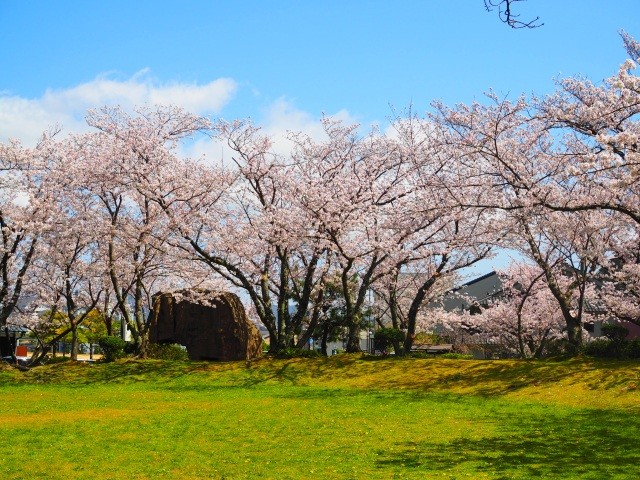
[284, 63]
[304, 57]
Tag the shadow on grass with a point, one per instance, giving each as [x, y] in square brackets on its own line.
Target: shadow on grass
[591, 444]
[501, 377]
[484, 378]
[128, 371]
[491, 378]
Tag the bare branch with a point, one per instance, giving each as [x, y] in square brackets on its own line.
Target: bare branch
[506, 15]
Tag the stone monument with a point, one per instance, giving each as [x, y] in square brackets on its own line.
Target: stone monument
[212, 325]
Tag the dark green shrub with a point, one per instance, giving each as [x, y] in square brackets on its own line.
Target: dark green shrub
[600, 347]
[605, 348]
[167, 351]
[129, 348]
[53, 360]
[614, 332]
[632, 349]
[420, 355]
[112, 348]
[558, 348]
[297, 352]
[457, 356]
[386, 337]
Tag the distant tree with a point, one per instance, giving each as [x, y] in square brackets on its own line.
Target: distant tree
[48, 328]
[94, 328]
[331, 311]
[387, 337]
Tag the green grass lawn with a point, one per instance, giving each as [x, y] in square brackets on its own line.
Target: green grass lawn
[343, 417]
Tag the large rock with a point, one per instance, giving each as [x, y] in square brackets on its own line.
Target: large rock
[212, 325]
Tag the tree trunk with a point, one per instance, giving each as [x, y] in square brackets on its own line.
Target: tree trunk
[574, 323]
[538, 352]
[574, 333]
[313, 323]
[74, 343]
[353, 338]
[325, 338]
[142, 346]
[421, 294]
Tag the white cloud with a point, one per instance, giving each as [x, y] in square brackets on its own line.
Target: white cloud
[206, 98]
[283, 117]
[279, 119]
[26, 119]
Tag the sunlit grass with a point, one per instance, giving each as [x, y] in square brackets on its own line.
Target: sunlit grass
[344, 417]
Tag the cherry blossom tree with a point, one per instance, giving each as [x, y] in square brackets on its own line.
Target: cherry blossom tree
[599, 130]
[599, 135]
[347, 187]
[618, 284]
[246, 226]
[570, 249]
[523, 320]
[621, 292]
[67, 278]
[25, 195]
[512, 163]
[452, 235]
[124, 167]
[120, 212]
[527, 317]
[457, 327]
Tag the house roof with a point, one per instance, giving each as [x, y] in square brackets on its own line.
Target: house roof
[595, 307]
[476, 280]
[12, 329]
[479, 290]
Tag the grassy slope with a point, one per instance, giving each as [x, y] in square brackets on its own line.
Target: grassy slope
[343, 417]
